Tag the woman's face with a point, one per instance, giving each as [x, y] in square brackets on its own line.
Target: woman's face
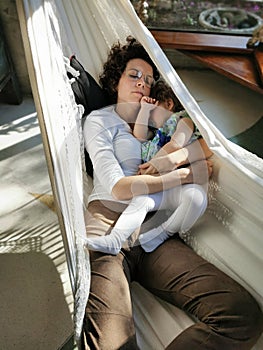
[135, 82]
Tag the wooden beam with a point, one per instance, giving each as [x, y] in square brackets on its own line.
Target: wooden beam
[240, 68]
[202, 42]
[226, 54]
[258, 54]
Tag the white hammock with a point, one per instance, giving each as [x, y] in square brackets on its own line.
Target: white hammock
[230, 232]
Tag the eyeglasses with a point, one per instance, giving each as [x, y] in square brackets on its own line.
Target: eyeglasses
[135, 75]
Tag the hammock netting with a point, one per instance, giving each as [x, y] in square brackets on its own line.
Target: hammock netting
[229, 234]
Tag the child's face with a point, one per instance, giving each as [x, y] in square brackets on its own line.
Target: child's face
[160, 114]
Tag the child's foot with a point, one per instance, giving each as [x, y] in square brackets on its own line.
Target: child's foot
[150, 240]
[105, 244]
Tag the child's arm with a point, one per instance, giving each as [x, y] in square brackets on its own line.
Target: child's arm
[183, 133]
[179, 139]
[141, 131]
[196, 150]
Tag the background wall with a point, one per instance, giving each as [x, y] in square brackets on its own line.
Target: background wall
[11, 28]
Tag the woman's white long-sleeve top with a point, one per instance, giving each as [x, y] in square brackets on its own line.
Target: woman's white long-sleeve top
[113, 149]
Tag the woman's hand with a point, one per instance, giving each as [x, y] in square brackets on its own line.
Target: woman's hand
[164, 163]
[158, 165]
[147, 168]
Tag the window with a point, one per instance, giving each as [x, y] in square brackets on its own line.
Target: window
[229, 17]
[213, 32]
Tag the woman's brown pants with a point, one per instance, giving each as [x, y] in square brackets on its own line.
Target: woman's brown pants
[229, 318]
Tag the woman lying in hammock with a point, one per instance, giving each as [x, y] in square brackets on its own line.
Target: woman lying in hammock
[170, 131]
[229, 318]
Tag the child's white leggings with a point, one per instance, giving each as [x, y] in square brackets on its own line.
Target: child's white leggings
[187, 203]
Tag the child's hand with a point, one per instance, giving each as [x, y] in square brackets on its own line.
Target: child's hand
[148, 103]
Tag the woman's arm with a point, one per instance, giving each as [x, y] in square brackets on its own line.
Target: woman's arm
[197, 150]
[131, 186]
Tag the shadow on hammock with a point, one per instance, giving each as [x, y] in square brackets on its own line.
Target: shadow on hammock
[251, 138]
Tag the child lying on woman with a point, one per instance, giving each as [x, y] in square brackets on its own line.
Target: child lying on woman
[162, 128]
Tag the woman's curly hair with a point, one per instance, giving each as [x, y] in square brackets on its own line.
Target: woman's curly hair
[115, 65]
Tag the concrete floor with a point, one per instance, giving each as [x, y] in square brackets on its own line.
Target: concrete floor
[35, 296]
[232, 108]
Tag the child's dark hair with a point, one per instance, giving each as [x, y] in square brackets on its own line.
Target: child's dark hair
[116, 63]
[162, 92]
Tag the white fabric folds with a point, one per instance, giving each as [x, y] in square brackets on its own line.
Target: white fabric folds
[229, 234]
